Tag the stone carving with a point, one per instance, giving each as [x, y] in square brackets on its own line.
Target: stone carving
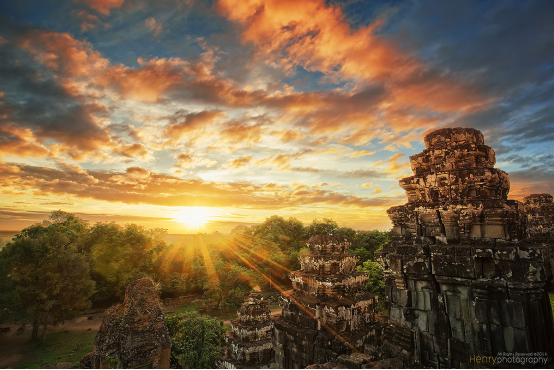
[327, 313]
[467, 270]
[249, 343]
[133, 334]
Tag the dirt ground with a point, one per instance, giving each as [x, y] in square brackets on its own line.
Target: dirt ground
[12, 344]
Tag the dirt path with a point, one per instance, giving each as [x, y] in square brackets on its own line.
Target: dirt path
[12, 344]
[274, 311]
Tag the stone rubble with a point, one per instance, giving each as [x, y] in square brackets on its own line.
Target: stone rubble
[467, 271]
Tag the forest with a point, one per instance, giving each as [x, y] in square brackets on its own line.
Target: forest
[52, 271]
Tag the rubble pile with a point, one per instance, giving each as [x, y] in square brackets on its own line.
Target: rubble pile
[249, 345]
[327, 313]
[133, 334]
[467, 270]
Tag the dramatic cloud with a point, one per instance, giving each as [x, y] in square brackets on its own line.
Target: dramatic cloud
[302, 108]
[103, 6]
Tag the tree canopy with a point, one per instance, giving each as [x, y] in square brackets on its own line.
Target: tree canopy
[52, 268]
[196, 340]
[49, 271]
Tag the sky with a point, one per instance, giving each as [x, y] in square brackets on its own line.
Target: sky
[196, 116]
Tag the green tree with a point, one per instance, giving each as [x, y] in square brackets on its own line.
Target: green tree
[366, 242]
[325, 227]
[120, 255]
[49, 269]
[376, 282]
[196, 341]
[11, 307]
[230, 286]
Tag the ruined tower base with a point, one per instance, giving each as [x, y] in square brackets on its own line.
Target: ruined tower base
[467, 270]
[326, 314]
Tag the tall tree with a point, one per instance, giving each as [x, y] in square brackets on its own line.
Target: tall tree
[120, 255]
[49, 269]
[196, 340]
[317, 227]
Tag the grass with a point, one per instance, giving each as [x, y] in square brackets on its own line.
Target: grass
[64, 346]
[551, 296]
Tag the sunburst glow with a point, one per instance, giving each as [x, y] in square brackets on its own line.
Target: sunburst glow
[193, 217]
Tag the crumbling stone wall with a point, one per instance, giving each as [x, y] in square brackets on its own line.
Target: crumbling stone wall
[327, 313]
[467, 270]
[249, 342]
[133, 334]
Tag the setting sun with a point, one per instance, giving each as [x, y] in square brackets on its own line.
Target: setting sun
[193, 217]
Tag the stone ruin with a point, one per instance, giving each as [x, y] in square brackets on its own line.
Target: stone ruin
[133, 334]
[248, 345]
[327, 313]
[467, 271]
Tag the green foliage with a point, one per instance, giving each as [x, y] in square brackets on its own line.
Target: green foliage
[49, 270]
[551, 296]
[196, 340]
[11, 306]
[224, 268]
[325, 227]
[119, 255]
[229, 287]
[376, 282]
[366, 243]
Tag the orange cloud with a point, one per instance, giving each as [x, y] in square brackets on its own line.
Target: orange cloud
[63, 54]
[317, 37]
[21, 142]
[154, 26]
[182, 122]
[370, 185]
[136, 150]
[393, 167]
[239, 162]
[139, 186]
[89, 21]
[361, 153]
[240, 132]
[103, 6]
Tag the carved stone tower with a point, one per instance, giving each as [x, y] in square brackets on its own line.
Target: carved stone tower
[467, 270]
[249, 343]
[327, 313]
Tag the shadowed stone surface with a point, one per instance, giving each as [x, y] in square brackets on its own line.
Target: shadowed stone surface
[326, 314]
[134, 334]
[249, 343]
[467, 271]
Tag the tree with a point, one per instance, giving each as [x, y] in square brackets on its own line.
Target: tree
[325, 227]
[49, 270]
[230, 286]
[120, 255]
[376, 282]
[196, 341]
[366, 242]
[11, 306]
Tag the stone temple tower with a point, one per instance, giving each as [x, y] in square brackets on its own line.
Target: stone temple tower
[467, 270]
[327, 313]
[249, 343]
